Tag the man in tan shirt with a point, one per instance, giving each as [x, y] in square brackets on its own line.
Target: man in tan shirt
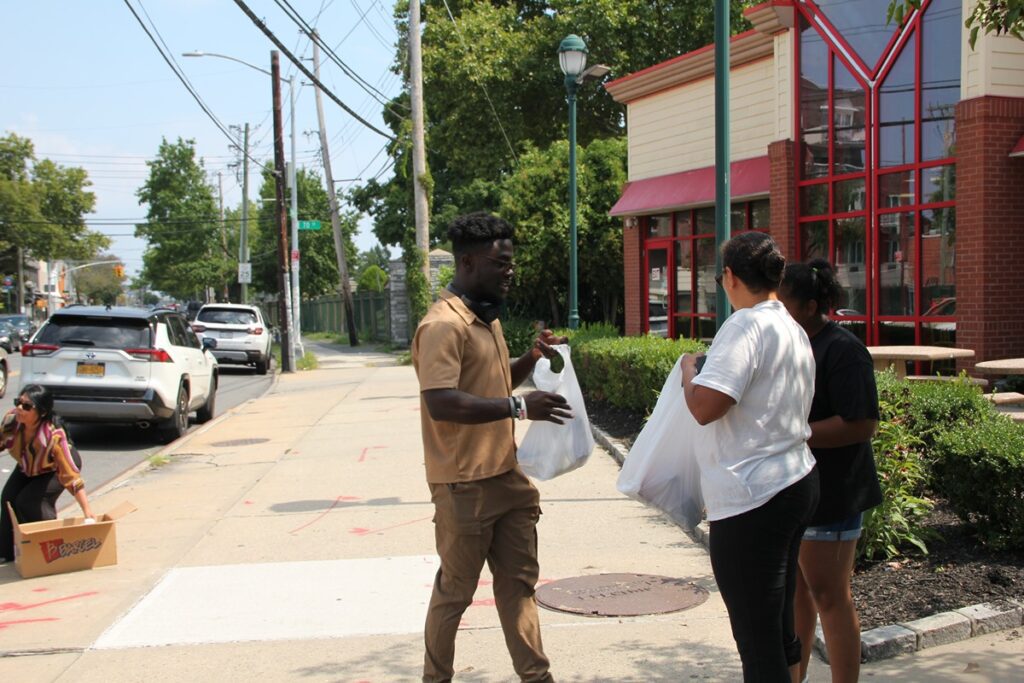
[485, 509]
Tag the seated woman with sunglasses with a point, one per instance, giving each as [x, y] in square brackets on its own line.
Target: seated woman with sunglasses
[757, 474]
[35, 437]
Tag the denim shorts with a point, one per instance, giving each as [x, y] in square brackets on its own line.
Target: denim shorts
[844, 530]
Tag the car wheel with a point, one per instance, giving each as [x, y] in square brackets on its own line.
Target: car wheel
[205, 412]
[3, 379]
[177, 425]
[262, 365]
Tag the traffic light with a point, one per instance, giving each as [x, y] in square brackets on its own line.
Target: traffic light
[119, 271]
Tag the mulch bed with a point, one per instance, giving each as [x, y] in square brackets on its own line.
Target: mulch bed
[958, 571]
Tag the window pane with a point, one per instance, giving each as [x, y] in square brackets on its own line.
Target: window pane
[849, 239]
[849, 196]
[862, 24]
[705, 328]
[813, 101]
[738, 217]
[814, 240]
[896, 333]
[760, 214]
[659, 226]
[814, 200]
[705, 219]
[938, 184]
[683, 323]
[847, 121]
[896, 264]
[657, 292]
[684, 284]
[938, 262]
[940, 78]
[895, 189]
[683, 227]
[705, 266]
[896, 110]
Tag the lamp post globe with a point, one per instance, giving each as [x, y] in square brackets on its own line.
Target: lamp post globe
[572, 58]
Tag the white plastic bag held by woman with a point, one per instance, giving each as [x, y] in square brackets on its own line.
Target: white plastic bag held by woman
[550, 449]
[661, 468]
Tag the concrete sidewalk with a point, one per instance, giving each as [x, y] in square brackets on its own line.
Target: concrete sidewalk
[291, 540]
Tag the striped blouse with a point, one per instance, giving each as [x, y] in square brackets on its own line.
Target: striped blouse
[50, 451]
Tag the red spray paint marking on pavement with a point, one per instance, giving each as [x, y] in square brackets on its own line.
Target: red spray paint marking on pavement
[40, 590]
[324, 513]
[359, 531]
[7, 624]
[17, 606]
[362, 456]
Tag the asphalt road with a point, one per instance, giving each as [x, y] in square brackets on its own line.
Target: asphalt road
[109, 450]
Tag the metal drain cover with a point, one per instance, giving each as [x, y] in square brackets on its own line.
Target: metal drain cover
[620, 595]
[238, 442]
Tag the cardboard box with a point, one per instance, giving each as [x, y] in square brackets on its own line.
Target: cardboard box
[66, 545]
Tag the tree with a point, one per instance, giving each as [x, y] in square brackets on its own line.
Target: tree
[184, 255]
[99, 284]
[373, 279]
[43, 206]
[318, 262]
[992, 16]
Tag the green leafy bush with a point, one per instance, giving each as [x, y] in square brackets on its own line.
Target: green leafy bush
[980, 469]
[896, 522]
[628, 372]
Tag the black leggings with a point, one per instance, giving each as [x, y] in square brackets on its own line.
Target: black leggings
[34, 500]
[754, 558]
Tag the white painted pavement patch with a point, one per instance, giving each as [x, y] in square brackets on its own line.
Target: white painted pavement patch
[279, 601]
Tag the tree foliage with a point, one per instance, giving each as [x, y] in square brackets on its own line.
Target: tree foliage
[99, 284]
[43, 206]
[318, 259]
[184, 253]
[991, 16]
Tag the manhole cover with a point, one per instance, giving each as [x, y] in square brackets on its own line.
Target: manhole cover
[238, 442]
[620, 595]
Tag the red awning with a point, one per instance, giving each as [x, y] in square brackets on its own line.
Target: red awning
[749, 177]
[1018, 150]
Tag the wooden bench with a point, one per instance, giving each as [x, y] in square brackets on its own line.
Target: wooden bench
[1005, 398]
[977, 381]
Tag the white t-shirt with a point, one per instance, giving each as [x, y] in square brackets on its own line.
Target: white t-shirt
[762, 359]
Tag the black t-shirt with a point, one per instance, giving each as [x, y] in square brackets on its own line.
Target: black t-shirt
[844, 385]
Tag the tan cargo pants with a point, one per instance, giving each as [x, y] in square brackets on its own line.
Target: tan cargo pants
[495, 520]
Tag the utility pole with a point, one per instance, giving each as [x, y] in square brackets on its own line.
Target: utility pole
[293, 172]
[722, 157]
[223, 227]
[243, 236]
[419, 157]
[20, 306]
[282, 218]
[339, 243]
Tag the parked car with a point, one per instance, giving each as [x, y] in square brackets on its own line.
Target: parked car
[241, 333]
[10, 337]
[3, 373]
[22, 322]
[126, 365]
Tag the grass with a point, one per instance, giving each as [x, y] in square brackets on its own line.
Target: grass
[159, 460]
[307, 362]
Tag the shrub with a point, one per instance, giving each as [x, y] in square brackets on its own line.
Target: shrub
[936, 408]
[896, 521]
[980, 468]
[628, 372]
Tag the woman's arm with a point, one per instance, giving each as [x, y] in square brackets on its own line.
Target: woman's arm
[706, 405]
[834, 432]
[83, 502]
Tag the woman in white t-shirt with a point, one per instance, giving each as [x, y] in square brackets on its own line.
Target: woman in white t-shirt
[758, 476]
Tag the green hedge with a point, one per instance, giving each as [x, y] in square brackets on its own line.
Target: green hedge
[980, 468]
[930, 409]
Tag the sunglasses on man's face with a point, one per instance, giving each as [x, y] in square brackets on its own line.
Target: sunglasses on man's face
[24, 405]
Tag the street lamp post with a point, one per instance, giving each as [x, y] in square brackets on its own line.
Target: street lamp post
[572, 56]
[294, 211]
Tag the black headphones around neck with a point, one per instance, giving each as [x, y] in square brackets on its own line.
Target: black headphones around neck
[485, 310]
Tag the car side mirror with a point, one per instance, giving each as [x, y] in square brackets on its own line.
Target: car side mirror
[209, 343]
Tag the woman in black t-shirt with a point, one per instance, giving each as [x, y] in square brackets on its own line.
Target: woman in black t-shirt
[843, 418]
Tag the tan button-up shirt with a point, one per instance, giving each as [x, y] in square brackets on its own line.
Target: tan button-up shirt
[453, 349]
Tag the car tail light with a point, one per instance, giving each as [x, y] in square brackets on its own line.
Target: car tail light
[38, 349]
[196, 327]
[255, 330]
[152, 355]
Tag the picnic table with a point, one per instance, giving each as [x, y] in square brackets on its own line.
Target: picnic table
[1005, 366]
[897, 357]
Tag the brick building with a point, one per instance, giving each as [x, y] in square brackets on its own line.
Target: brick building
[896, 152]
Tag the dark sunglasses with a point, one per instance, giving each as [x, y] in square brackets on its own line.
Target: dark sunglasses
[23, 405]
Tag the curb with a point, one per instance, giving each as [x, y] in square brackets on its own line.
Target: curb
[894, 639]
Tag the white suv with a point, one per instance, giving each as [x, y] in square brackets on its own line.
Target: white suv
[242, 335]
[129, 365]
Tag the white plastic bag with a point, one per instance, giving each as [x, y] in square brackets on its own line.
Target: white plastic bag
[550, 449]
[661, 468]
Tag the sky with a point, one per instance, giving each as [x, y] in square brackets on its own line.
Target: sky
[88, 87]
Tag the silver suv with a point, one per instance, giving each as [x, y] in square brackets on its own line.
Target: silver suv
[127, 365]
[241, 333]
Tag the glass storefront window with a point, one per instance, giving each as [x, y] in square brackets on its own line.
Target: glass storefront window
[683, 227]
[847, 121]
[814, 200]
[659, 226]
[940, 78]
[938, 262]
[814, 240]
[849, 196]
[896, 189]
[684, 276]
[704, 265]
[657, 292]
[862, 24]
[938, 184]
[760, 214]
[898, 272]
[896, 110]
[704, 221]
[814, 102]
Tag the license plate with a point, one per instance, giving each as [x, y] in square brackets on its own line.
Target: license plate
[91, 369]
[226, 335]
